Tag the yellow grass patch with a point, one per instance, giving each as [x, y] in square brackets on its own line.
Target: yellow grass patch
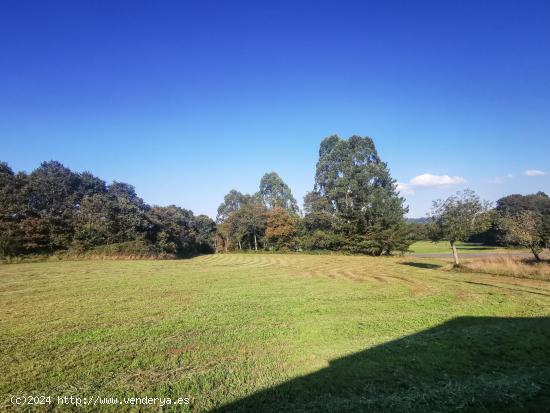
[511, 265]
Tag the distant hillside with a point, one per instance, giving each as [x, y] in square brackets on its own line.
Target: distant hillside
[422, 220]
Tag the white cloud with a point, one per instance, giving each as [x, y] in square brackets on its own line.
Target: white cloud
[436, 181]
[405, 188]
[534, 172]
[499, 179]
[428, 181]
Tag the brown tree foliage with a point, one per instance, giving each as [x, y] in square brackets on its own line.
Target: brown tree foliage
[281, 227]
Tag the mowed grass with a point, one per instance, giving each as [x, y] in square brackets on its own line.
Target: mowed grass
[271, 333]
[428, 247]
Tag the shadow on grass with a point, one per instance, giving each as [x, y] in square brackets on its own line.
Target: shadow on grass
[507, 288]
[468, 364]
[424, 265]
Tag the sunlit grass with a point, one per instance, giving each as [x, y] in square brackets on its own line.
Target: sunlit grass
[509, 265]
[220, 328]
[429, 247]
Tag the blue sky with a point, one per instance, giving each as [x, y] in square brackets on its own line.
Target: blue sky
[187, 100]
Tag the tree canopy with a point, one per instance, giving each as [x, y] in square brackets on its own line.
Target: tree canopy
[232, 202]
[54, 208]
[524, 220]
[274, 192]
[458, 217]
[356, 185]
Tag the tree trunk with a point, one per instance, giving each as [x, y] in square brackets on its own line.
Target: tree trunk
[455, 254]
[536, 254]
[255, 242]
[240, 245]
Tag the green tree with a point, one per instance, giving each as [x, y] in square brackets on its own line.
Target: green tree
[232, 202]
[319, 214]
[35, 234]
[10, 201]
[96, 221]
[9, 242]
[247, 225]
[173, 229]
[274, 192]
[354, 187]
[52, 196]
[131, 218]
[538, 203]
[205, 229]
[90, 185]
[457, 218]
[524, 228]
[380, 240]
[12, 210]
[54, 208]
[358, 185]
[122, 190]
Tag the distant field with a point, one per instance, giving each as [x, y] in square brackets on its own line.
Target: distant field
[428, 247]
[276, 333]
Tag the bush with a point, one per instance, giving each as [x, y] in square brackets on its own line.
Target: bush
[322, 240]
[123, 250]
[9, 244]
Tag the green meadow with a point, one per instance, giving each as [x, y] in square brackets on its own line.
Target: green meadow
[275, 333]
[443, 247]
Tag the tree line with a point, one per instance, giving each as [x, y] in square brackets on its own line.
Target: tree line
[516, 220]
[55, 209]
[353, 207]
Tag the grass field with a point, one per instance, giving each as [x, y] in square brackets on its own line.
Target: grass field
[273, 333]
[428, 247]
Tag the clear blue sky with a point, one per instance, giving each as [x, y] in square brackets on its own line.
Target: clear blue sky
[186, 100]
